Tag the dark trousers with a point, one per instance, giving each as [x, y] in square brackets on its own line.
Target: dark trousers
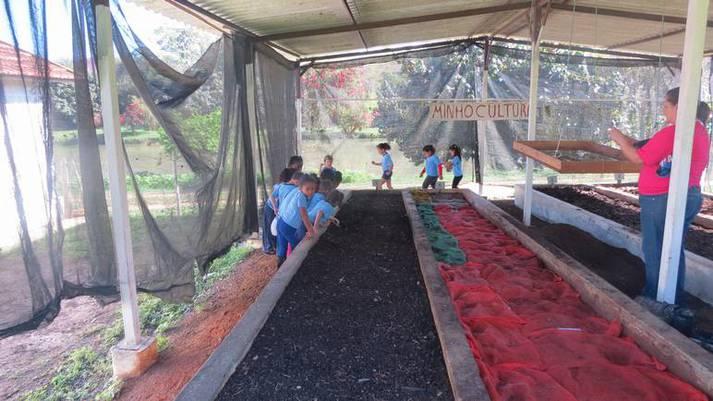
[456, 181]
[653, 219]
[286, 235]
[269, 241]
[430, 181]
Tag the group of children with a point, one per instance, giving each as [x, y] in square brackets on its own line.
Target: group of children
[298, 205]
[433, 169]
[300, 202]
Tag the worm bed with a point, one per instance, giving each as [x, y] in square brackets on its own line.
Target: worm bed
[699, 238]
[533, 337]
[354, 322]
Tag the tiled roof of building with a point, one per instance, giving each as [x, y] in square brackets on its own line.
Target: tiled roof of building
[29, 63]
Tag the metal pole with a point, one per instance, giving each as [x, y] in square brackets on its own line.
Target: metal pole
[175, 184]
[117, 177]
[482, 131]
[682, 148]
[531, 123]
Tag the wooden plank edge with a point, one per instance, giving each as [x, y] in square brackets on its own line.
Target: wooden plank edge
[209, 380]
[463, 371]
[682, 356]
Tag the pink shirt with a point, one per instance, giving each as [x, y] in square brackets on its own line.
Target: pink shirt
[656, 156]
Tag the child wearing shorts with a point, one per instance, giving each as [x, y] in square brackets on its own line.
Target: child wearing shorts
[432, 169]
[387, 165]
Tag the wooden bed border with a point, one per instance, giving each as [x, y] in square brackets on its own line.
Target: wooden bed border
[535, 150]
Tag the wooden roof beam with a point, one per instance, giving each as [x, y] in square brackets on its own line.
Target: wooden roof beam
[649, 38]
[399, 21]
[354, 22]
[623, 14]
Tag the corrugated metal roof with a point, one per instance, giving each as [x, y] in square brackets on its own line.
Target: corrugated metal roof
[636, 25]
[28, 62]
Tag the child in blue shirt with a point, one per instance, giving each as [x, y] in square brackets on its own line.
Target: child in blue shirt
[455, 164]
[286, 189]
[293, 216]
[432, 167]
[387, 165]
[269, 241]
[323, 212]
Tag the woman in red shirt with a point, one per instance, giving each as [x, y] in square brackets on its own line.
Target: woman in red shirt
[654, 177]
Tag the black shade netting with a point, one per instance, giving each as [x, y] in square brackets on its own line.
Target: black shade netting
[187, 144]
[276, 116]
[580, 94]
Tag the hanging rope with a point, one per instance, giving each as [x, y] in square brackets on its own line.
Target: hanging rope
[569, 56]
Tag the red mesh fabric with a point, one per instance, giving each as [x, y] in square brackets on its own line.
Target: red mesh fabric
[533, 338]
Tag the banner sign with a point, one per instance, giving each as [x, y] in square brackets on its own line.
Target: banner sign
[474, 110]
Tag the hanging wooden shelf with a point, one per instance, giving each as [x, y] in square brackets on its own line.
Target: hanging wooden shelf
[577, 157]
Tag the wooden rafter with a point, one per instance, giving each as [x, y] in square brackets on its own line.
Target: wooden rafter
[649, 38]
[354, 22]
[400, 21]
[624, 14]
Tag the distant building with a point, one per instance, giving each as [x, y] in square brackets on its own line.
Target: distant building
[24, 124]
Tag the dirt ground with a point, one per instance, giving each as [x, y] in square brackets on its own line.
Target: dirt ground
[29, 359]
[354, 323]
[200, 332]
[698, 240]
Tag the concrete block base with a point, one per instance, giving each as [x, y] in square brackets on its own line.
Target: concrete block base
[132, 362]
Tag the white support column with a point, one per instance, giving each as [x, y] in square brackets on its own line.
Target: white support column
[482, 130]
[117, 178]
[683, 146]
[531, 126]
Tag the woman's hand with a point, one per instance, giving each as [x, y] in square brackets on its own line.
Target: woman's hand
[615, 134]
[374, 163]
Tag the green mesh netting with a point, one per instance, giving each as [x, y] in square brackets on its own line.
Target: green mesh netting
[445, 246]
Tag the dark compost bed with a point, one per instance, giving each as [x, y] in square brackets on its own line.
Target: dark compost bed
[354, 323]
[699, 240]
[707, 207]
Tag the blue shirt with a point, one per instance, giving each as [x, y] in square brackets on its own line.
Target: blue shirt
[432, 166]
[327, 211]
[282, 191]
[315, 199]
[457, 166]
[386, 163]
[290, 211]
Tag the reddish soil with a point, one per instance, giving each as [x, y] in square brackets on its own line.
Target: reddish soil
[200, 332]
[707, 201]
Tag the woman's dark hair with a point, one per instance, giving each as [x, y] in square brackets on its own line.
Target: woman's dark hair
[338, 177]
[384, 146]
[295, 160]
[286, 174]
[298, 175]
[672, 96]
[702, 112]
[309, 179]
[456, 149]
[430, 149]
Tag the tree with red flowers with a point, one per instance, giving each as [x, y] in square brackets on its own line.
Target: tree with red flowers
[328, 85]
